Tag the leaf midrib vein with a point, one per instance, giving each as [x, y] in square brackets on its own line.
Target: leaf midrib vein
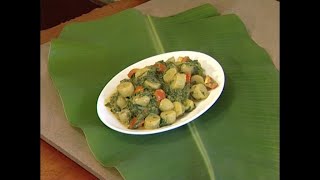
[193, 129]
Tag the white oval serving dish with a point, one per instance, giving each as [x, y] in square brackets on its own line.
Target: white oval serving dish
[212, 68]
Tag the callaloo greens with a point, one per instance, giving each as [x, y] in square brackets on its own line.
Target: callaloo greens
[158, 94]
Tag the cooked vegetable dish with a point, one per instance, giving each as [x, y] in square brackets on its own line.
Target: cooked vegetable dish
[158, 95]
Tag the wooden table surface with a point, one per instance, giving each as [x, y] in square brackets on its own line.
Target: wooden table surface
[54, 164]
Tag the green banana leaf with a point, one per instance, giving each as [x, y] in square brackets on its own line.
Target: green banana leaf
[236, 139]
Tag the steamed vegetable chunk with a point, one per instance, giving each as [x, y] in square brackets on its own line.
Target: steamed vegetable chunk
[152, 85]
[210, 82]
[124, 116]
[197, 79]
[158, 95]
[199, 91]
[141, 72]
[142, 101]
[171, 59]
[152, 121]
[179, 108]
[169, 75]
[179, 80]
[186, 68]
[121, 102]
[189, 105]
[125, 89]
[168, 117]
[166, 105]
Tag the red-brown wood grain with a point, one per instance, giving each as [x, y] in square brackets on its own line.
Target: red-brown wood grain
[54, 165]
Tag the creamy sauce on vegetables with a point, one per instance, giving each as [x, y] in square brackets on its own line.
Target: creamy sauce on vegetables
[158, 95]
